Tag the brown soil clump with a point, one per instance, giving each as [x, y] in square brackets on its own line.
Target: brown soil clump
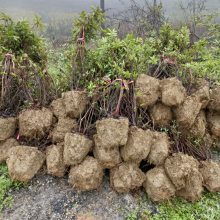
[203, 93]
[147, 90]
[75, 103]
[210, 171]
[158, 186]
[178, 167]
[5, 146]
[76, 148]
[7, 128]
[213, 120]
[35, 123]
[138, 145]
[58, 108]
[24, 162]
[64, 125]
[161, 115]
[86, 176]
[125, 177]
[108, 157]
[187, 112]
[54, 160]
[198, 129]
[193, 189]
[112, 132]
[160, 149]
[173, 92]
[214, 103]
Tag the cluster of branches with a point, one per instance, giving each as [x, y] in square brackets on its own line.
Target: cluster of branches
[140, 18]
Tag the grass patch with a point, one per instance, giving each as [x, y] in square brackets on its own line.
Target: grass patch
[208, 208]
[5, 185]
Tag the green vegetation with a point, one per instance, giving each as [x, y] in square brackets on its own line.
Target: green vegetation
[19, 38]
[5, 185]
[208, 208]
[23, 54]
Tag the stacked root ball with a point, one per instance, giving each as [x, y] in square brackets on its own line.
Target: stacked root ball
[116, 145]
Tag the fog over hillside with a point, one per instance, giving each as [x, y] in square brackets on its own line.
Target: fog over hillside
[23, 8]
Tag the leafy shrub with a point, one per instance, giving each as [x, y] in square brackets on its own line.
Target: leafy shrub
[24, 77]
[19, 38]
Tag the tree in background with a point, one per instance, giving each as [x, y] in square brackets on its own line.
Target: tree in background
[141, 18]
[195, 13]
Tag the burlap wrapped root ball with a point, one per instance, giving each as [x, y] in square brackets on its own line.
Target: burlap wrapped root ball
[54, 160]
[187, 112]
[112, 132]
[7, 127]
[160, 149]
[24, 162]
[214, 104]
[210, 171]
[108, 157]
[35, 123]
[183, 171]
[138, 145]
[86, 176]
[161, 115]
[126, 176]
[64, 125]
[147, 90]
[76, 148]
[5, 147]
[158, 185]
[213, 120]
[173, 92]
[75, 103]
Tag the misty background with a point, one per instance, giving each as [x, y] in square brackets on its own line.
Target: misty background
[66, 8]
[58, 15]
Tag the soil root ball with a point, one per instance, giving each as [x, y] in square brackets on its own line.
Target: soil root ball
[54, 159]
[35, 123]
[75, 103]
[213, 120]
[161, 115]
[5, 147]
[178, 167]
[187, 112]
[112, 132]
[173, 92]
[76, 148]
[86, 176]
[138, 145]
[64, 125]
[24, 162]
[7, 128]
[210, 171]
[158, 186]
[147, 90]
[160, 149]
[125, 177]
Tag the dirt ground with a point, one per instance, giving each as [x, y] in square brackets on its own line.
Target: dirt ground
[47, 197]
